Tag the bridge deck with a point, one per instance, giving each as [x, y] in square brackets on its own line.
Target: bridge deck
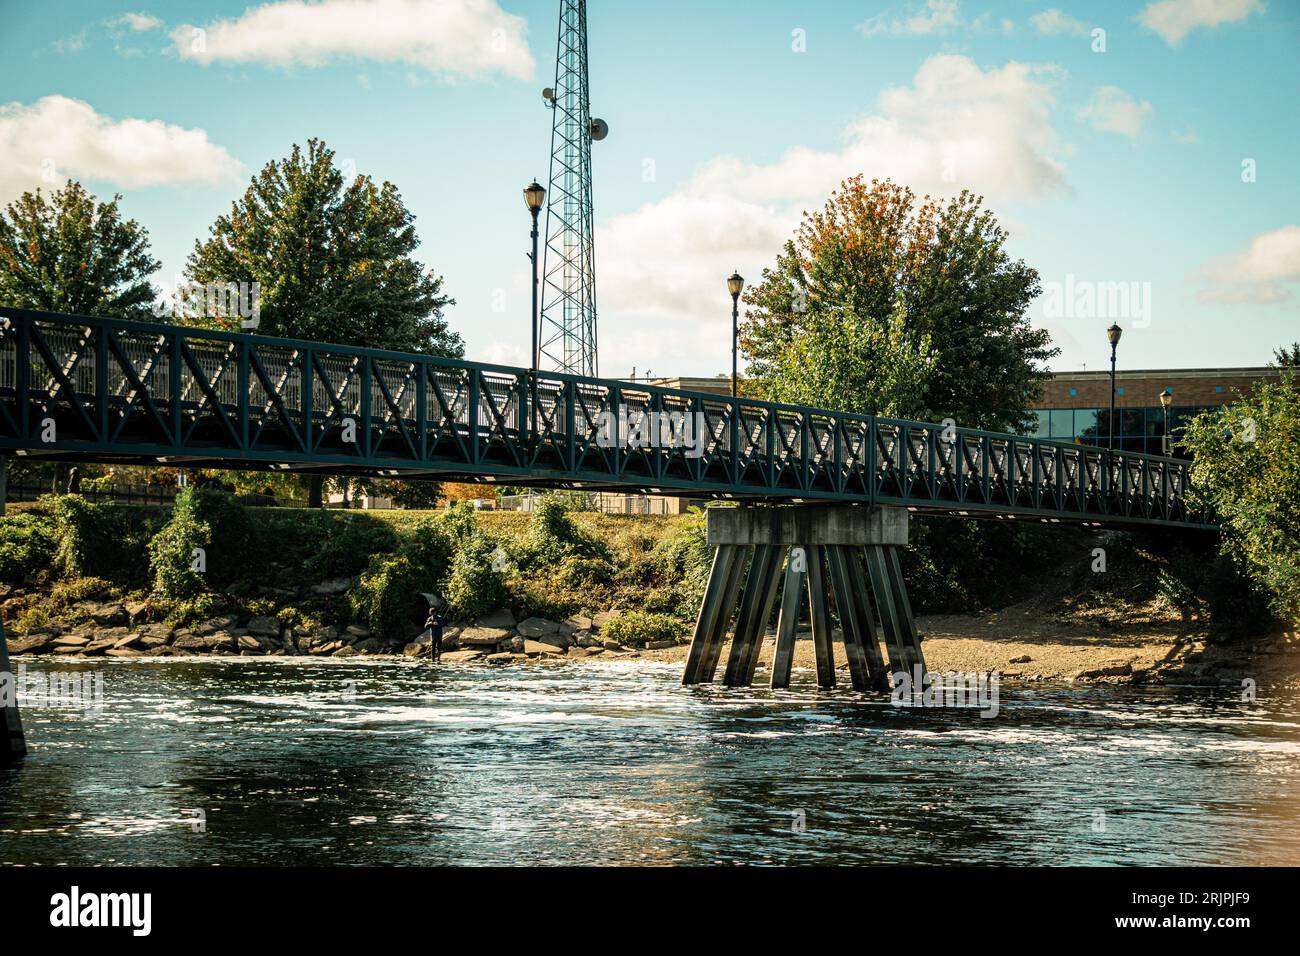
[80, 388]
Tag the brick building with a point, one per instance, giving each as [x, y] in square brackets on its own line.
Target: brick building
[1075, 405]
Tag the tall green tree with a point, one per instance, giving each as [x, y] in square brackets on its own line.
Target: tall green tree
[1288, 356]
[333, 259]
[1245, 468]
[71, 253]
[887, 305]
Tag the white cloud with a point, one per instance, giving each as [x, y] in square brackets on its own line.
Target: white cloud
[72, 45]
[1251, 275]
[139, 22]
[1054, 22]
[462, 38]
[57, 138]
[1269, 256]
[1266, 294]
[955, 126]
[1174, 19]
[1112, 110]
[937, 16]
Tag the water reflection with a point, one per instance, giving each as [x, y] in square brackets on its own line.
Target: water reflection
[360, 763]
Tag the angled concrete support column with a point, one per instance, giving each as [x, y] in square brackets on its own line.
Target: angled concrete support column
[766, 598]
[12, 743]
[911, 637]
[861, 645]
[730, 596]
[819, 613]
[829, 540]
[796, 574]
[710, 608]
[891, 601]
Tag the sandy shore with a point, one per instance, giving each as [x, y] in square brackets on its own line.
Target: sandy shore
[1021, 646]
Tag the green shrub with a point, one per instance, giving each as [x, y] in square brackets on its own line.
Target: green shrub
[96, 539]
[388, 592]
[685, 559]
[1247, 472]
[201, 607]
[345, 545]
[628, 627]
[474, 587]
[387, 596]
[82, 589]
[552, 536]
[457, 522]
[230, 551]
[576, 572]
[28, 543]
[172, 554]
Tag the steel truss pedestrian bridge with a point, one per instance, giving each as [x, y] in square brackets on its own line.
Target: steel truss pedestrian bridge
[78, 388]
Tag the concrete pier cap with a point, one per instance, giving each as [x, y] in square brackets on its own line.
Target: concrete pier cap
[808, 525]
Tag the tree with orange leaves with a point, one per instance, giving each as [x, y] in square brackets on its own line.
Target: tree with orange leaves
[886, 305]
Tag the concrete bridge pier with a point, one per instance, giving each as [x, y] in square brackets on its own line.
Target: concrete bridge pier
[12, 743]
[842, 557]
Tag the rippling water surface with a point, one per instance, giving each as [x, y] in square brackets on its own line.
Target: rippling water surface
[368, 763]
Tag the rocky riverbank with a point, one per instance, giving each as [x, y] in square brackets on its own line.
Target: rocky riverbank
[123, 630]
[1018, 643]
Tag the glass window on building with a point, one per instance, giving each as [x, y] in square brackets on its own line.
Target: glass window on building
[1061, 423]
[1038, 426]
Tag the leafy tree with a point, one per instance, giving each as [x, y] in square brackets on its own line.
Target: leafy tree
[333, 259]
[885, 305]
[71, 253]
[1245, 468]
[1288, 356]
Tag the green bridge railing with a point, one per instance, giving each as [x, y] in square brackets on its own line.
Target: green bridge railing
[81, 388]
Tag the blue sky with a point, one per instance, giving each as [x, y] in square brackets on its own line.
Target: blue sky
[1166, 162]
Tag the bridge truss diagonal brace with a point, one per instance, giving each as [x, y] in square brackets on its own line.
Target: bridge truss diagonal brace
[760, 557]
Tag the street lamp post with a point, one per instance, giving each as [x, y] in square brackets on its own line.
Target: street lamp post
[735, 285]
[1113, 335]
[534, 196]
[1167, 399]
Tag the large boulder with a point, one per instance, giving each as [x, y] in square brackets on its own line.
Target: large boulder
[537, 647]
[33, 643]
[262, 626]
[483, 636]
[535, 627]
[461, 657]
[500, 619]
[107, 614]
[575, 624]
[327, 588]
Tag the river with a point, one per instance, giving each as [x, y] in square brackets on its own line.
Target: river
[278, 762]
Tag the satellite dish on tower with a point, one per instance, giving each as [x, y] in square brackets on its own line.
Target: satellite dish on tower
[597, 129]
[548, 94]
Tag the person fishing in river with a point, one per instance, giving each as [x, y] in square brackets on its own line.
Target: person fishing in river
[433, 626]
